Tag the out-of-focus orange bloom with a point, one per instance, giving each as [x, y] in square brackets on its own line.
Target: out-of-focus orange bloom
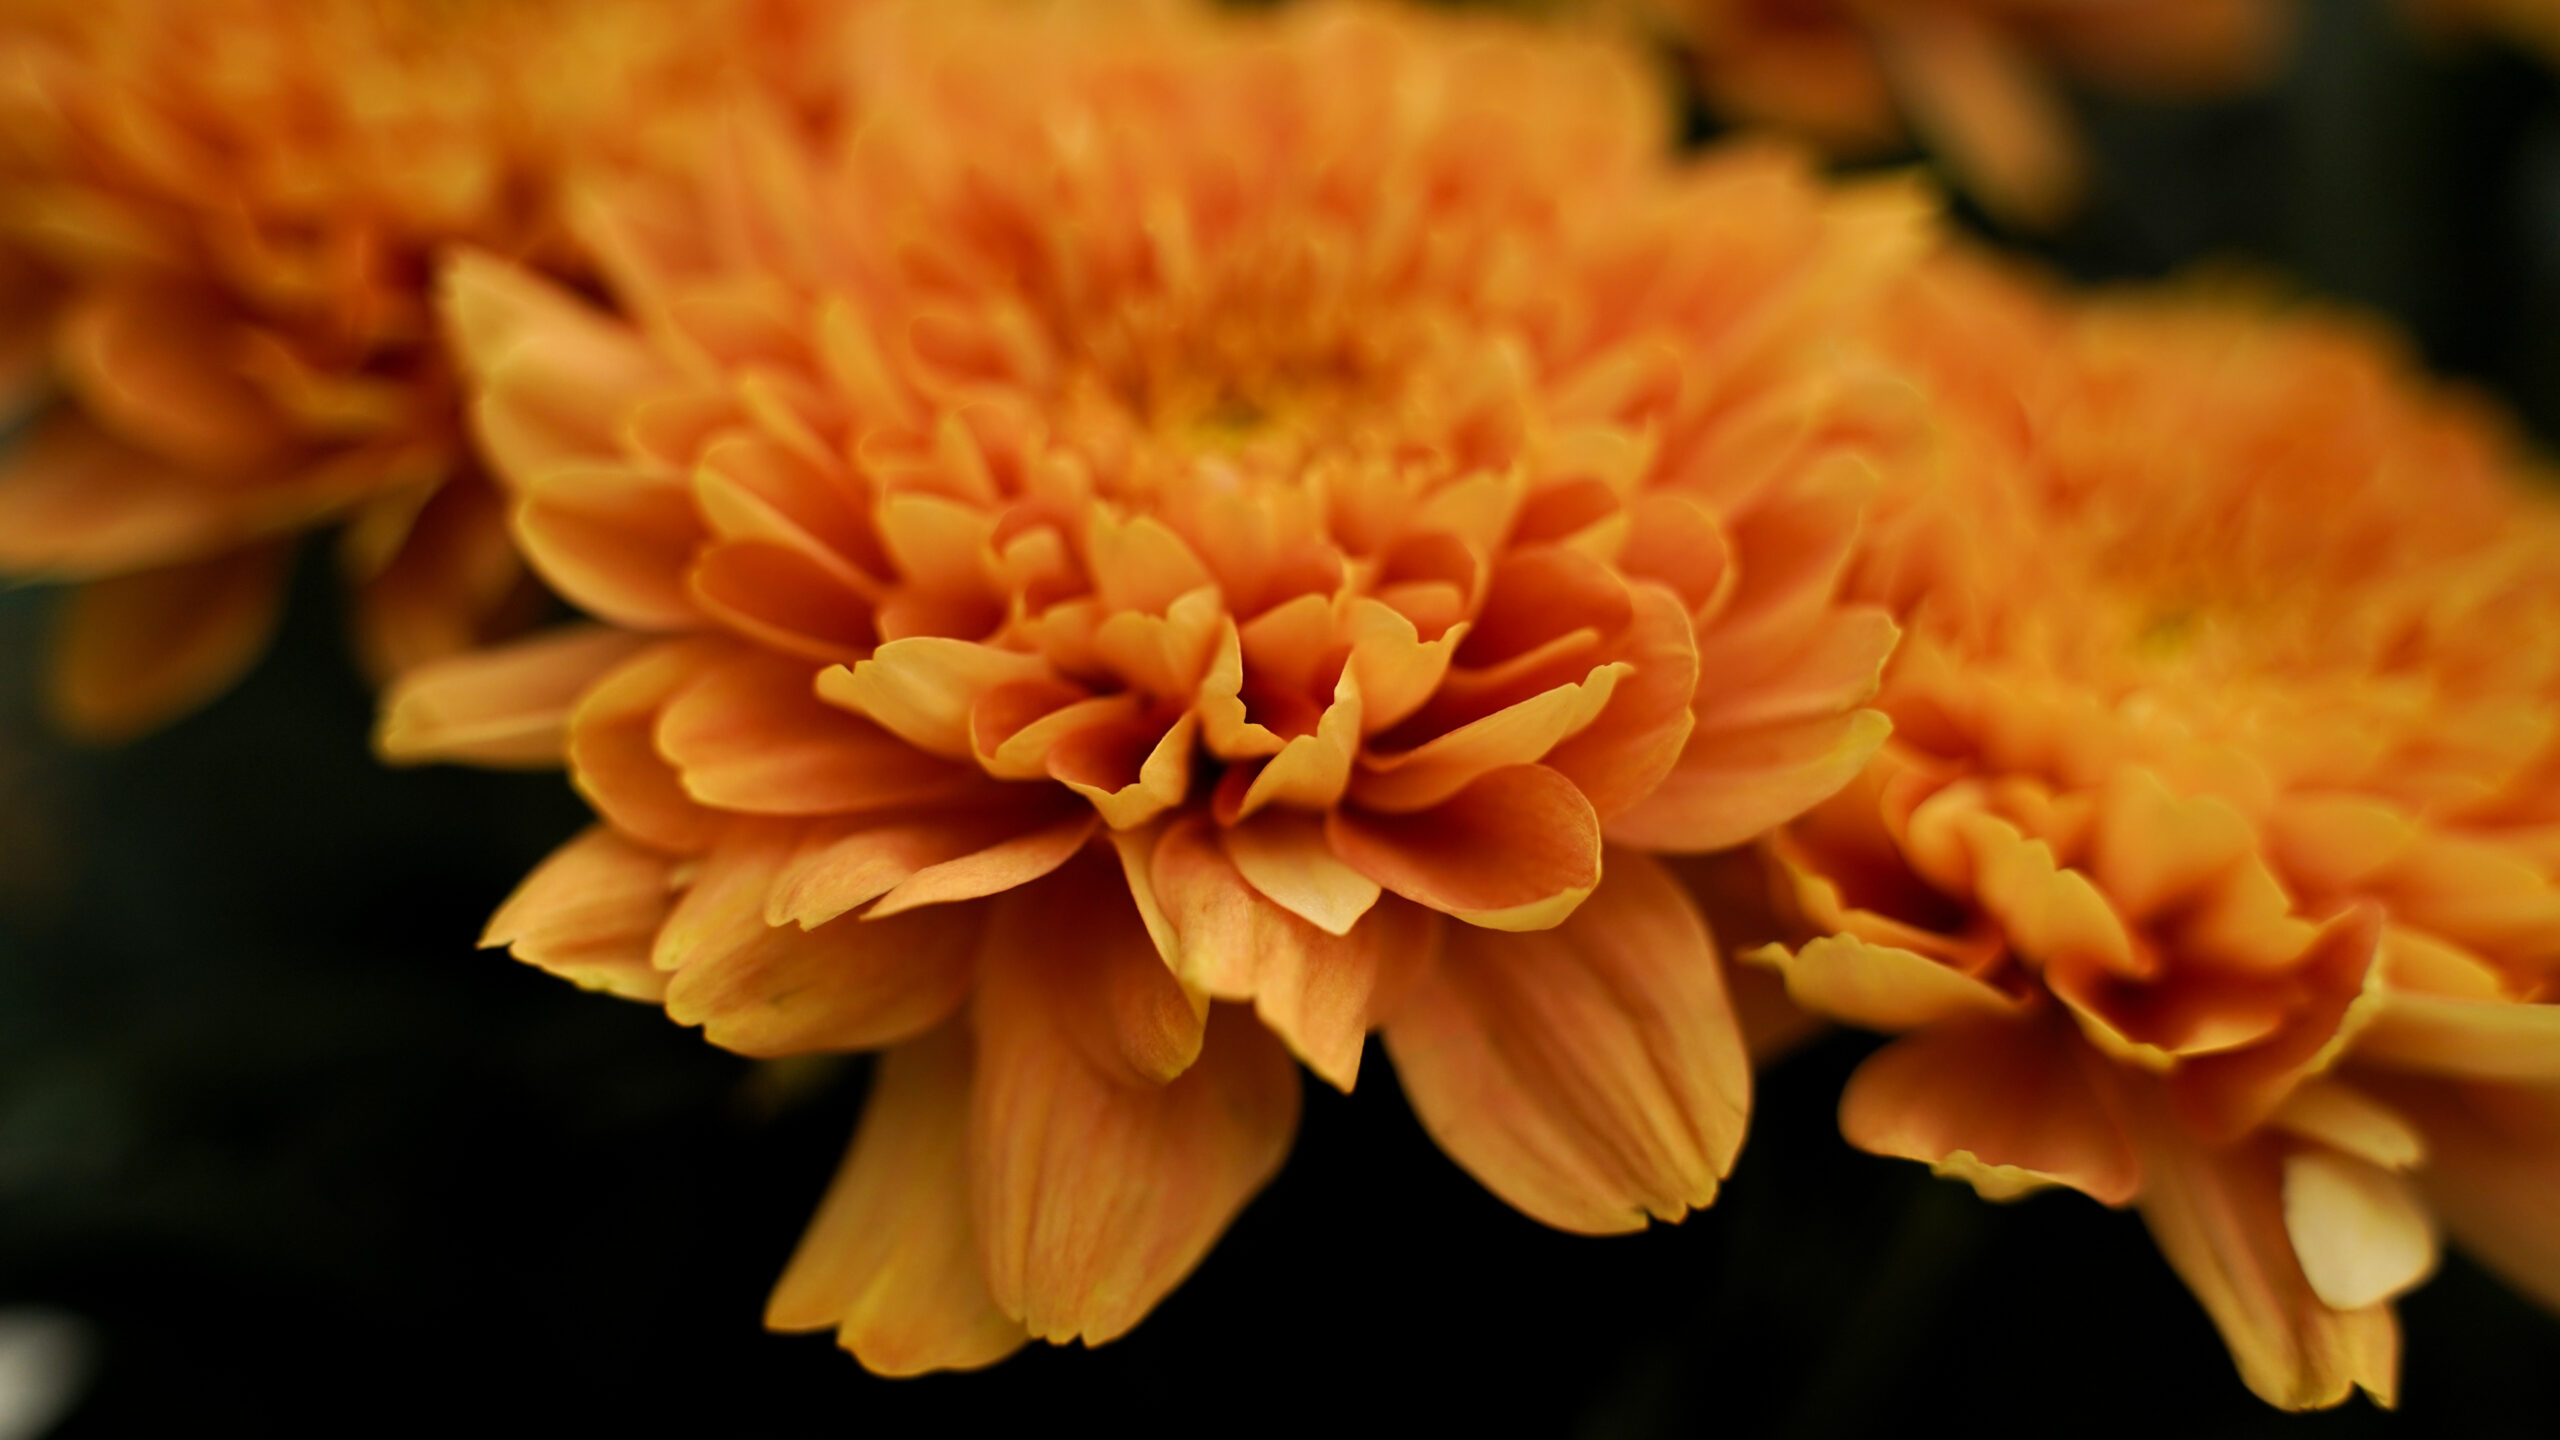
[2211, 866]
[217, 223]
[2534, 23]
[1189, 540]
[1969, 77]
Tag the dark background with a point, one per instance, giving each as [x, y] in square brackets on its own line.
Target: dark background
[302, 1160]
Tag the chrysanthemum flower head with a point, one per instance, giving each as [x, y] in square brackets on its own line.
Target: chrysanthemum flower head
[1184, 541]
[217, 224]
[2210, 867]
[1968, 77]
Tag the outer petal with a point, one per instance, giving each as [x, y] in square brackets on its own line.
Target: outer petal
[1590, 1074]
[2001, 1104]
[590, 913]
[137, 650]
[504, 706]
[614, 760]
[1094, 1198]
[763, 989]
[2493, 1173]
[2218, 1215]
[76, 502]
[890, 1260]
[1732, 785]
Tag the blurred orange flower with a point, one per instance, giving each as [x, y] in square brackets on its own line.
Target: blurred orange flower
[2212, 865]
[1968, 76]
[1185, 542]
[216, 227]
[2533, 23]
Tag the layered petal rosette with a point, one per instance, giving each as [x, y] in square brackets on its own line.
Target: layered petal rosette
[1972, 79]
[2211, 866]
[1183, 541]
[217, 222]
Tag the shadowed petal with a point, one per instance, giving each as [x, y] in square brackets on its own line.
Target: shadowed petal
[1516, 850]
[2001, 1104]
[890, 1261]
[134, 651]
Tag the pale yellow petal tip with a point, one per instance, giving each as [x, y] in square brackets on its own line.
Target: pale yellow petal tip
[1997, 1183]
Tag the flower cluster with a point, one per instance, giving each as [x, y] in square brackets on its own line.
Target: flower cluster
[217, 225]
[1125, 547]
[2210, 866]
[1180, 543]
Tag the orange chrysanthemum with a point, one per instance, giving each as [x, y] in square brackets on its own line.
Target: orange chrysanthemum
[217, 223]
[2212, 865]
[1969, 76]
[1280, 512]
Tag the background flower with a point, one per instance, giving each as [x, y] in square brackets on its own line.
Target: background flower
[1967, 77]
[1173, 512]
[2209, 867]
[216, 223]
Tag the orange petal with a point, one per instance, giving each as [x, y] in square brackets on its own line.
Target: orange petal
[156, 366]
[923, 689]
[136, 651]
[1140, 564]
[504, 706]
[556, 377]
[1095, 1198]
[1986, 107]
[746, 733]
[1313, 989]
[2493, 1174]
[590, 913]
[1590, 1074]
[2227, 1094]
[449, 577]
[1518, 734]
[1132, 772]
[613, 752]
[1624, 754]
[777, 596]
[763, 989]
[2362, 1233]
[2472, 1039]
[1730, 786]
[1312, 771]
[844, 866]
[2218, 1215]
[614, 540]
[992, 871]
[1516, 850]
[76, 503]
[1079, 938]
[890, 1261]
[1285, 856]
[1882, 987]
[2001, 1104]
